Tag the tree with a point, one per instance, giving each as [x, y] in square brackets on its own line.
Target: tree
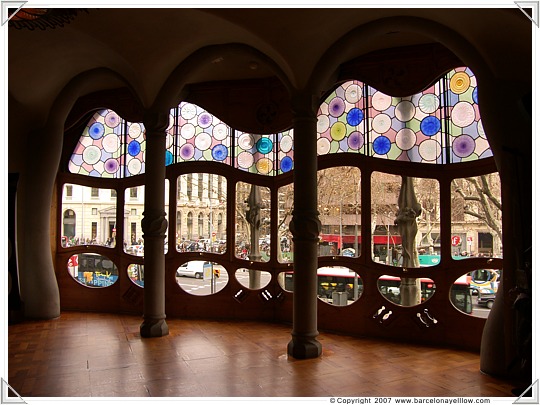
[479, 198]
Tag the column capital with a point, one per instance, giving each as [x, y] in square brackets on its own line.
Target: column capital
[156, 121]
[304, 105]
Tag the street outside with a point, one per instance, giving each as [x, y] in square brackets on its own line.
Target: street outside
[203, 287]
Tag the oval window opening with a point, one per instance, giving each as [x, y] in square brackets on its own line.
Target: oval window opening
[136, 274]
[474, 293]
[198, 277]
[406, 292]
[253, 279]
[285, 280]
[337, 285]
[92, 270]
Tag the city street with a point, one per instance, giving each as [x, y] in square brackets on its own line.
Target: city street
[203, 287]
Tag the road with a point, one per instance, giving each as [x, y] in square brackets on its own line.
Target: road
[204, 287]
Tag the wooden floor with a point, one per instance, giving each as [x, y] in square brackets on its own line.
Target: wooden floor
[93, 355]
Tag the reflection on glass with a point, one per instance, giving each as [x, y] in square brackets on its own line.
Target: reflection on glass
[336, 285]
[339, 211]
[285, 209]
[200, 277]
[388, 236]
[253, 279]
[88, 216]
[252, 222]
[136, 274]
[201, 213]
[476, 217]
[92, 270]
[406, 291]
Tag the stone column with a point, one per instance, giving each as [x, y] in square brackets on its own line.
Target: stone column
[305, 227]
[39, 290]
[154, 226]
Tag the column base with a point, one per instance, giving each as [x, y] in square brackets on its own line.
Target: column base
[154, 328]
[304, 347]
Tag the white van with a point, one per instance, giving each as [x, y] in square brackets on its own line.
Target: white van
[193, 268]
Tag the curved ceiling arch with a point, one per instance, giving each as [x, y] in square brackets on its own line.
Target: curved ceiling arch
[359, 41]
[209, 61]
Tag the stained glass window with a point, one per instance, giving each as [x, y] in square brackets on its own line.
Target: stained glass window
[440, 124]
[200, 135]
[341, 121]
[109, 147]
[285, 150]
[466, 134]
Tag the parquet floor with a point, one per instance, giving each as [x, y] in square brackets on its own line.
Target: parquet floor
[96, 355]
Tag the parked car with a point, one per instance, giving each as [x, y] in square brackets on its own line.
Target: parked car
[486, 299]
[193, 268]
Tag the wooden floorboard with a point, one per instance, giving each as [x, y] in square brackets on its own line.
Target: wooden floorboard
[103, 355]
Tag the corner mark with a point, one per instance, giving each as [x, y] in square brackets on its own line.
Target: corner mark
[533, 5]
[532, 395]
[5, 387]
[5, 13]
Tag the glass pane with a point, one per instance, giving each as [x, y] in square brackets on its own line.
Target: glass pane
[285, 208]
[339, 211]
[136, 149]
[285, 280]
[198, 135]
[201, 278]
[476, 217]
[407, 292]
[201, 213]
[474, 293]
[134, 207]
[395, 224]
[252, 222]
[99, 152]
[88, 216]
[285, 150]
[338, 285]
[340, 120]
[92, 270]
[253, 279]
[467, 137]
[256, 153]
[136, 274]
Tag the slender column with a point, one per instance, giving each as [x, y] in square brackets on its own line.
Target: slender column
[305, 227]
[154, 226]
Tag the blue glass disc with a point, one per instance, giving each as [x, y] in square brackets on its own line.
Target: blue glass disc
[219, 152]
[134, 147]
[355, 116]
[381, 145]
[96, 130]
[430, 126]
[286, 164]
[475, 95]
[168, 158]
[264, 145]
